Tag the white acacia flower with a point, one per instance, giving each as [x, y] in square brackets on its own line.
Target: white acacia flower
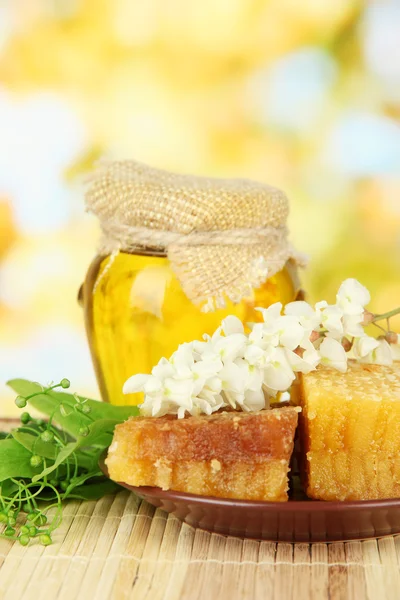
[395, 348]
[331, 319]
[278, 374]
[305, 363]
[308, 317]
[244, 371]
[333, 354]
[271, 313]
[352, 297]
[232, 324]
[352, 325]
[291, 333]
[381, 355]
[364, 346]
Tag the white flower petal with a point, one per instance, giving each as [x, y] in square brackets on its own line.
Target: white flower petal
[331, 319]
[271, 313]
[254, 400]
[364, 346]
[232, 378]
[231, 347]
[333, 354]
[232, 324]
[278, 375]
[290, 332]
[352, 297]
[135, 383]
[352, 325]
[381, 355]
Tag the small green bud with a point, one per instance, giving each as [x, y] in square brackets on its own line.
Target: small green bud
[11, 513]
[12, 521]
[24, 540]
[64, 485]
[32, 516]
[3, 518]
[47, 436]
[65, 383]
[36, 460]
[24, 530]
[86, 409]
[32, 530]
[54, 482]
[25, 418]
[83, 431]
[9, 532]
[40, 422]
[45, 539]
[20, 401]
[26, 507]
[41, 520]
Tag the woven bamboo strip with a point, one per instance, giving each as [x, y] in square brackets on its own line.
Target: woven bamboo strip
[129, 562]
[319, 572]
[373, 569]
[248, 569]
[110, 563]
[148, 564]
[179, 572]
[230, 574]
[337, 572]
[163, 569]
[197, 566]
[284, 572]
[390, 567]
[212, 583]
[396, 539]
[302, 573]
[356, 586]
[264, 584]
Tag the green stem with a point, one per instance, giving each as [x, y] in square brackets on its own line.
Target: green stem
[387, 315]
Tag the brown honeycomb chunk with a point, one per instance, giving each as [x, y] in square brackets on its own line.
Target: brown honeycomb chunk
[350, 432]
[228, 454]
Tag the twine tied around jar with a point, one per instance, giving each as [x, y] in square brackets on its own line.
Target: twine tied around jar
[223, 237]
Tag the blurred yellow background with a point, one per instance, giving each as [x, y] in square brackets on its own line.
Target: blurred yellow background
[302, 95]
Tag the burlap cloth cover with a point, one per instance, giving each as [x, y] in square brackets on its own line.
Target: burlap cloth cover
[223, 237]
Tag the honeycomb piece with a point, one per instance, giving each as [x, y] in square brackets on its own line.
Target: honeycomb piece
[228, 454]
[350, 432]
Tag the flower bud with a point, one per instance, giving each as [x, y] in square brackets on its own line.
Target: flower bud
[391, 337]
[315, 335]
[368, 317]
[36, 460]
[346, 343]
[20, 401]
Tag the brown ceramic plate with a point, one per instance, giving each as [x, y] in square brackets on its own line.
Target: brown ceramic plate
[298, 520]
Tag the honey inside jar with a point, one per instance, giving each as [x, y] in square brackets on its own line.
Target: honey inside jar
[137, 312]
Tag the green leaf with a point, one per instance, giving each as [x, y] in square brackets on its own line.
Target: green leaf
[101, 430]
[49, 404]
[34, 444]
[15, 460]
[94, 491]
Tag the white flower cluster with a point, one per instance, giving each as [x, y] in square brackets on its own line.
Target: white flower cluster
[232, 368]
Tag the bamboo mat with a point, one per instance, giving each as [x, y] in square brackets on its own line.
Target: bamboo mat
[122, 548]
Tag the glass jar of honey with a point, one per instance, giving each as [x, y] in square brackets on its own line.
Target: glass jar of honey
[171, 242]
[136, 312]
